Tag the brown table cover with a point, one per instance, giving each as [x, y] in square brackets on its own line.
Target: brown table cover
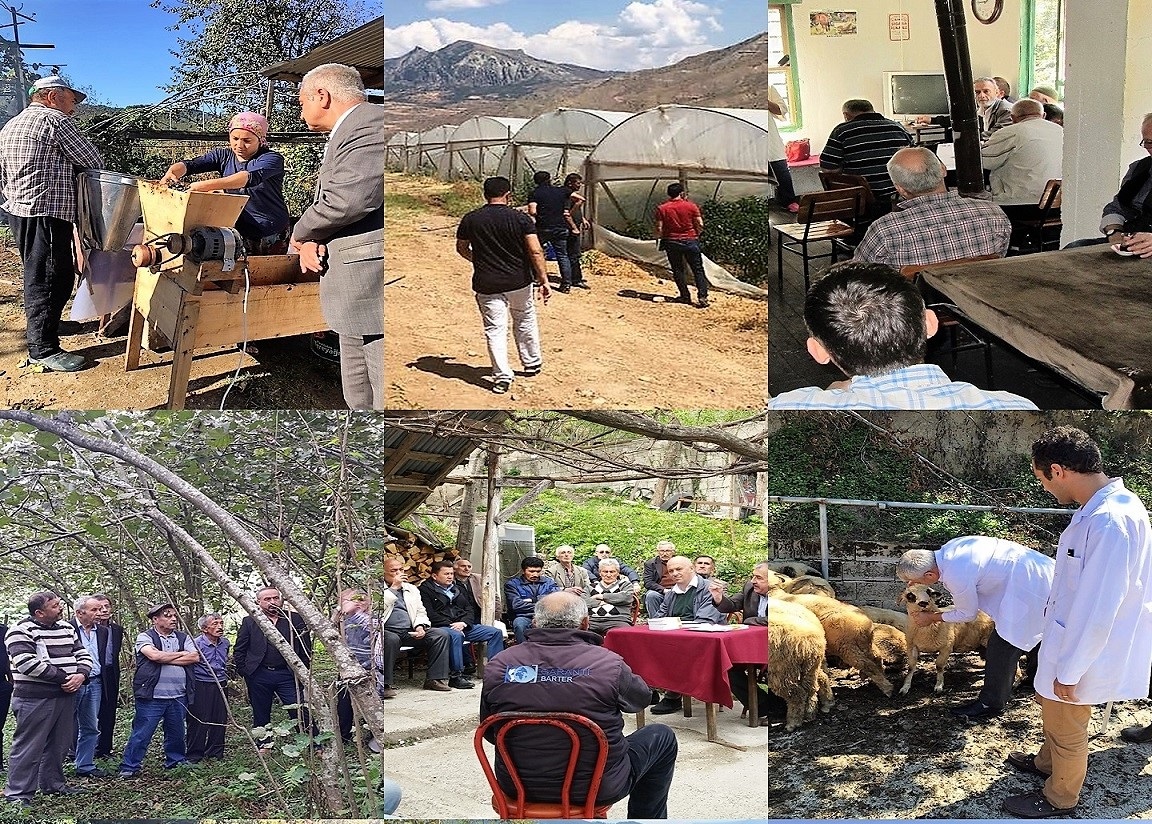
[1086, 312]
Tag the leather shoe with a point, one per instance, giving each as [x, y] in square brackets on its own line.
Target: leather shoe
[1034, 805]
[667, 707]
[387, 692]
[67, 790]
[96, 773]
[1137, 735]
[437, 685]
[976, 711]
[1025, 763]
[459, 682]
[655, 698]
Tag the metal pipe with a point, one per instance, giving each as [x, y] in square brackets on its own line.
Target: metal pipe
[790, 499]
[824, 550]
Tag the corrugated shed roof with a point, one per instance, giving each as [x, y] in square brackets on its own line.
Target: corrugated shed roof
[362, 48]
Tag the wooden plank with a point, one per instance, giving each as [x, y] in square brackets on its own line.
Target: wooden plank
[171, 211]
[158, 298]
[182, 352]
[273, 312]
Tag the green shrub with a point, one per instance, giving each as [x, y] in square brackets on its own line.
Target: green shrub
[737, 236]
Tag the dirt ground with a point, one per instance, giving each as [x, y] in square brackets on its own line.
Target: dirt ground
[907, 757]
[611, 347]
[278, 374]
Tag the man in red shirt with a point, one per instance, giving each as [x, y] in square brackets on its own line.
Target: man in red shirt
[679, 223]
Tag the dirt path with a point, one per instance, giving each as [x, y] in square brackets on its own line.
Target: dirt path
[610, 347]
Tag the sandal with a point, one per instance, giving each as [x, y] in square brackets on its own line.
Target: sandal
[61, 362]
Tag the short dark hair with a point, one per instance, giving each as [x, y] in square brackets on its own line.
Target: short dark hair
[675, 189]
[698, 557]
[858, 105]
[531, 562]
[1054, 112]
[1068, 446]
[496, 187]
[572, 178]
[38, 600]
[439, 565]
[542, 177]
[869, 317]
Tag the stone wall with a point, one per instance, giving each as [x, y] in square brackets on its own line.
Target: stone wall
[861, 572]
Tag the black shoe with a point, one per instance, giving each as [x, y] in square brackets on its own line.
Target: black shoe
[1025, 763]
[1137, 735]
[681, 299]
[655, 698]
[582, 285]
[96, 773]
[501, 386]
[66, 790]
[667, 707]
[976, 711]
[529, 372]
[1034, 805]
[470, 669]
[703, 304]
[459, 682]
[564, 288]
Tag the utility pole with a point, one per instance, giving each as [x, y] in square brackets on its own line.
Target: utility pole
[21, 82]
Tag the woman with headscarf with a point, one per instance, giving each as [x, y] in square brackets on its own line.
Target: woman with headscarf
[246, 167]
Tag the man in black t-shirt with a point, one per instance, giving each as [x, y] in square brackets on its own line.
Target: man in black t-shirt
[506, 256]
[549, 205]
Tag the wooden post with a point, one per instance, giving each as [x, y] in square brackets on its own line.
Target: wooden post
[464, 528]
[490, 563]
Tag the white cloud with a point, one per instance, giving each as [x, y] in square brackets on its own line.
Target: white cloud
[445, 5]
[644, 35]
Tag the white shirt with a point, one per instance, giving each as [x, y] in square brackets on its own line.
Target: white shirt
[775, 142]
[682, 588]
[1008, 581]
[1099, 616]
[1021, 159]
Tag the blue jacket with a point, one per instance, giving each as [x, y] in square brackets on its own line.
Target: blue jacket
[521, 597]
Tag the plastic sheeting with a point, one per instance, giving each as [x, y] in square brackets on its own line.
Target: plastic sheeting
[430, 151]
[397, 148]
[475, 147]
[645, 251]
[557, 142]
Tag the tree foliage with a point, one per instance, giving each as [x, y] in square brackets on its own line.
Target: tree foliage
[736, 235]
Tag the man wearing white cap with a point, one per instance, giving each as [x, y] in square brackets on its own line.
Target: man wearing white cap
[40, 153]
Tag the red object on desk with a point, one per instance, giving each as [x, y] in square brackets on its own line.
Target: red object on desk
[689, 662]
[813, 160]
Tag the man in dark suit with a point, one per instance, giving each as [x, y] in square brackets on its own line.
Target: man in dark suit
[753, 602]
[110, 647]
[264, 668]
[451, 605]
[342, 233]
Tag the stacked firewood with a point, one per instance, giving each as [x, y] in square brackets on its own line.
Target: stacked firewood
[416, 551]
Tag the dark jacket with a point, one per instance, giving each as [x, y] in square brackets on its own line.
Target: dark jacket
[102, 637]
[148, 671]
[251, 643]
[518, 591]
[5, 665]
[444, 611]
[656, 576]
[565, 670]
[593, 566]
[746, 603]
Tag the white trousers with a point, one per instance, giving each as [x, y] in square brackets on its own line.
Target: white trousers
[494, 310]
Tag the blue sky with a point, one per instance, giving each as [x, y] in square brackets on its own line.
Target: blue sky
[603, 34]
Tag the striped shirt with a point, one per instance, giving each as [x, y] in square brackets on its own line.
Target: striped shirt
[863, 146]
[44, 657]
[935, 228]
[923, 386]
[40, 152]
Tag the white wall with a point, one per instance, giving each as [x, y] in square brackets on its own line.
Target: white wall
[834, 69]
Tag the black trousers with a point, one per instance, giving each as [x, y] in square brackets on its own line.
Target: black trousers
[5, 704]
[45, 245]
[109, 699]
[207, 722]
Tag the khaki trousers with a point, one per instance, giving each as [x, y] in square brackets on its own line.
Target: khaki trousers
[1065, 750]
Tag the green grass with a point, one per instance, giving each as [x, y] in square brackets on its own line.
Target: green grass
[403, 202]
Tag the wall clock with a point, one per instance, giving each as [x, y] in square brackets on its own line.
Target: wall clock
[987, 11]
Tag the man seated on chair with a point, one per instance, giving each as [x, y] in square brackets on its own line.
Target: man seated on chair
[931, 224]
[610, 599]
[753, 602]
[469, 586]
[602, 551]
[862, 145]
[406, 624]
[1022, 158]
[656, 577]
[522, 592]
[688, 599]
[566, 573]
[1127, 219]
[705, 566]
[448, 607]
[871, 322]
[562, 667]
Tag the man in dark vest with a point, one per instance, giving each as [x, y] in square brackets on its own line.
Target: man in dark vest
[263, 666]
[163, 688]
[110, 676]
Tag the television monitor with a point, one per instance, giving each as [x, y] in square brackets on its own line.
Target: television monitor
[912, 93]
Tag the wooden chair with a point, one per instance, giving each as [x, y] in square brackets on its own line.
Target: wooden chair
[953, 322]
[519, 806]
[1042, 233]
[823, 217]
[833, 180]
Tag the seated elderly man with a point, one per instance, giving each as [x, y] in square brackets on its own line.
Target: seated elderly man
[567, 575]
[405, 623]
[862, 145]
[871, 322]
[1022, 158]
[753, 602]
[656, 577]
[609, 599]
[992, 109]
[931, 224]
[1127, 219]
[602, 551]
[1009, 582]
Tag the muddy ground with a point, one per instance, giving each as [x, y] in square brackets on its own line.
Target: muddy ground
[907, 757]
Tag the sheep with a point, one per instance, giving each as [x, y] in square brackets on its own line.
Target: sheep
[891, 617]
[793, 569]
[809, 585]
[890, 645]
[847, 629]
[796, 662]
[943, 638]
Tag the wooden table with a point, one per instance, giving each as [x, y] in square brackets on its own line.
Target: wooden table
[1087, 313]
[694, 664]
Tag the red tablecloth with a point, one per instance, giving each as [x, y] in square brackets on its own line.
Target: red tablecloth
[692, 663]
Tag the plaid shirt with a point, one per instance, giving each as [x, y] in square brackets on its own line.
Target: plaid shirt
[935, 228]
[40, 152]
[923, 386]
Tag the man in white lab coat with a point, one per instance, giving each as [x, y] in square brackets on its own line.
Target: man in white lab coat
[1008, 581]
[1097, 620]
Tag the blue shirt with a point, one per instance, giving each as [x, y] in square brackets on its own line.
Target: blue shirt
[265, 213]
[213, 659]
[923, 386]
[89, 640]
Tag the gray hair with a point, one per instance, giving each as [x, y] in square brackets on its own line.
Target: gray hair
[563, 548]
[342, 82]
[767, 567]
[665, 543]
[1027, 107]
[991, 80]
[204, 619]
[1145, 120]
[608, 562]
[79, 603]
[915, 563]
[560, 610]
[925, 175]
[858, 105]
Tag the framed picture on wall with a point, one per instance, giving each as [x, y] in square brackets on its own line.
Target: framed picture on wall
[832, 23]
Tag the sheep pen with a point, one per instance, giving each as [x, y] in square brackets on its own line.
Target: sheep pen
[907, 757]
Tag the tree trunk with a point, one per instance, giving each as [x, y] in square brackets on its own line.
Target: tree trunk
[490, 564]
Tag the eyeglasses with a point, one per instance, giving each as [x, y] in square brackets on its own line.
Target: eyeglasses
[1144, 144]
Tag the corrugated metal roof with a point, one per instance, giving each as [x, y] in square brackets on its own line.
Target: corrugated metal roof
[362, 48]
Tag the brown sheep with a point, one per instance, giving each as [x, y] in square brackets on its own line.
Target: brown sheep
[891, 617]
[809, 585]
[796, 671]
[943, 638]
[847, 629]
[792, 569]
[890, 645]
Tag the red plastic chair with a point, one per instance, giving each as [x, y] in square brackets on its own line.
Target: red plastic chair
[519, 806]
